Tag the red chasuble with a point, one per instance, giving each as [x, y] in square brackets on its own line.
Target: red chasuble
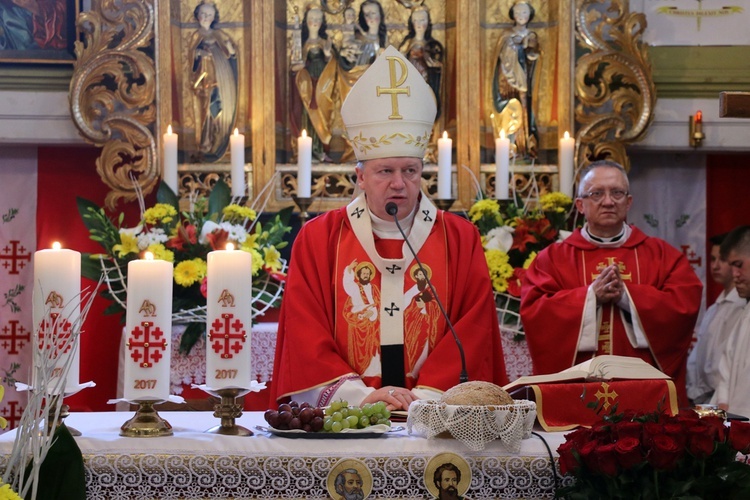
[336, 300]
[664, 290]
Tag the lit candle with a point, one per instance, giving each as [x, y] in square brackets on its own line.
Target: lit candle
[304, 165]
[444, 167]
[148, 326]
[237, 148]
[566, 167]
[502, 167]
[169, 168]
[56, 311]
[229, 318]
[698, 134]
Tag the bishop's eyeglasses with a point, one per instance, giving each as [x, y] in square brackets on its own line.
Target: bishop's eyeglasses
[597, 196]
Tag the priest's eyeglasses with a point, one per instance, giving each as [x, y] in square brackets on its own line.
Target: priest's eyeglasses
[597, 196]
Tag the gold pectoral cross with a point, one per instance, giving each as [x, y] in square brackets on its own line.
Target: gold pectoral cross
[394, 90]
[612, 260]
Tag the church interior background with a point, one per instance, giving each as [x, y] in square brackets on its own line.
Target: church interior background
[56, 142]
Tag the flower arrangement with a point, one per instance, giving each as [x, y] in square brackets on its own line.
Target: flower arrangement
[654, 455]
[185, 238]
[512, 235]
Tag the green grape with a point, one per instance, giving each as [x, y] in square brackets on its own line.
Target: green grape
[327, 423]
[353, 421]
[336, 427]
[344, 402]
[386, 413]
[384, 421]
[364, 421]
[337, 416]
[345, 424]
[354, 411]
[378, 407]
[329, 410]
[367, 409]
[373, 419]
[344, 411]
[336, 406]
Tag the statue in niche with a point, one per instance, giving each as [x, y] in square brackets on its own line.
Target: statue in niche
[352, 58]
[214, 79]
[426, 54]
[516, 55]
[316, 113]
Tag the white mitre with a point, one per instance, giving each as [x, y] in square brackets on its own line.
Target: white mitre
[390, 111]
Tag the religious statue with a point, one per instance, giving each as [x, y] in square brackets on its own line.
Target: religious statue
[214, 82]
[316, 113]
[516, 55]
[426, 54]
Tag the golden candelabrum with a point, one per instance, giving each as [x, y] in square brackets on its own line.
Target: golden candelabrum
[228, 410]
[696, 130]
[54, 421]
[304, 205]
[444, 204]
[146, 422]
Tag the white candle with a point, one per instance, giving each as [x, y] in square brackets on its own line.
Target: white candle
[228, 319]
[169, 168]
[502, 167]
[148, 326]
[237, 149]
[304, 165]
[566, 168]
[56, 311]
[444, 167]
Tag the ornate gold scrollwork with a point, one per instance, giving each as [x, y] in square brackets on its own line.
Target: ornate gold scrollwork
[113, 92]
[614, 87]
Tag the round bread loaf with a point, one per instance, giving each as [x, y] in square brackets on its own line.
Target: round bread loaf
[476, 393]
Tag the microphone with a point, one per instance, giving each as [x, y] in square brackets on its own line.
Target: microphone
[392, 209]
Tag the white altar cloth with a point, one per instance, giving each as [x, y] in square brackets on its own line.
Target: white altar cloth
[194, 464]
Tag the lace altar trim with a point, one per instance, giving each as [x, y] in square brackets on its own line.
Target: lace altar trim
[111, 476]
[516, 353]
[475, 426]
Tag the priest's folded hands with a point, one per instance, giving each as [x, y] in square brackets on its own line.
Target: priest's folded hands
[395, 398]
[609, 286]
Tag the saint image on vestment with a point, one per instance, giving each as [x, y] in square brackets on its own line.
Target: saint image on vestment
[516, 55]
[421, 320]
[214, 80]
[361, 310]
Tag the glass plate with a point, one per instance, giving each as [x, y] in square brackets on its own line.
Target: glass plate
[373, 431]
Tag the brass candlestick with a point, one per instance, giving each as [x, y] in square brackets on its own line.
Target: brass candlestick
[146, 422]
[444, 204]
[228, 410]
[303, 204]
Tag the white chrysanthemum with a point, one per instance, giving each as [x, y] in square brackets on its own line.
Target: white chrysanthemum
[236, 232]
[148, 238]
[499, 238]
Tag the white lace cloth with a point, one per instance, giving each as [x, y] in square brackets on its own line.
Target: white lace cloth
[517, 356]
[191, 369]
[194, 464]
[474, 426]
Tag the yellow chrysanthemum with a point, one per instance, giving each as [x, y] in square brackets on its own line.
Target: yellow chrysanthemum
[529, 260]
[128, 244]
[189, 272]
[6, 493]
[160, 252]
[161, 213]
[272, 259]
[555, 202]
[257, 261]
[500, 269]
[483, 207]
[3, 422]
[237, 214]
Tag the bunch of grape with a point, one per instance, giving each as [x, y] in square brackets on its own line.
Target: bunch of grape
[334, 418]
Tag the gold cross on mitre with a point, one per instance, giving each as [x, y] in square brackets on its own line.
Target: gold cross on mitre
[394, 90]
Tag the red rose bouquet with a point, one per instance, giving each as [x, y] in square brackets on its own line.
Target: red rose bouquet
[655, 455]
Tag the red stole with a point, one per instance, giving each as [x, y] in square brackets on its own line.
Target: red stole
[360, 302]
[612, 337]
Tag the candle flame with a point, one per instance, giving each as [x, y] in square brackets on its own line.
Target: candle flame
[566, 135]
[236, 131]
[148, 256]
[230, 246]
[502, 133]
[445, 134]
[56, 245]
[169, 129]
[699, 116]
[304, 132]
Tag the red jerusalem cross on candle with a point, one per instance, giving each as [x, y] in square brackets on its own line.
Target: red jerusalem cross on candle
[54, 333]
[227, 336]
[148, 347]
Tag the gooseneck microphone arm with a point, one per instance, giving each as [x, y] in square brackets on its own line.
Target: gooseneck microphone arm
[392, 210]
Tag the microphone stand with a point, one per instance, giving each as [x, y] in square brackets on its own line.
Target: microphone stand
[392, 210]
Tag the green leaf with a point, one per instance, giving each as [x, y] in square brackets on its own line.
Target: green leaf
[90, 267]
[84, 208]
[165, 195]
[219, 198]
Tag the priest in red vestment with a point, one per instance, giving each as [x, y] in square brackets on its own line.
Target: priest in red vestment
[610, 289]
[359, 321]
